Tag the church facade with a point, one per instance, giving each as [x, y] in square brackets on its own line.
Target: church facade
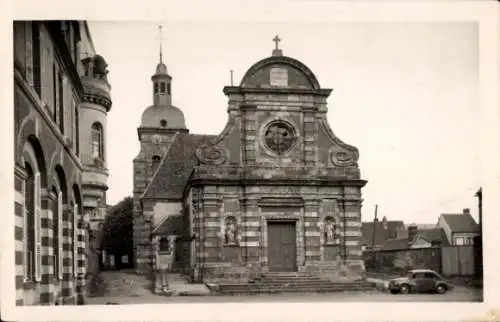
[275, 191]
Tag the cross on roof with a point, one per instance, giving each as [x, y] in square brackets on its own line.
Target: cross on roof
[276, 39]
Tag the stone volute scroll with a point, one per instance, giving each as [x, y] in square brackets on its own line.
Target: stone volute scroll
[343, 158]
[211, 154]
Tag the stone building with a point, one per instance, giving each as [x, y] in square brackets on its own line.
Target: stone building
[61, 99]
[276, 190]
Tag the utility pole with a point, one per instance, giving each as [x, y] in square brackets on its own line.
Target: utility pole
[479, 248]
[375, 220]
[479, 195]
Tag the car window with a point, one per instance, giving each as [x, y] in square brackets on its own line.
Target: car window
[418, 275]
[430, 275]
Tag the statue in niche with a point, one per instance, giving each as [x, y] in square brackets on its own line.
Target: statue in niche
[231, 231]
[330, 231]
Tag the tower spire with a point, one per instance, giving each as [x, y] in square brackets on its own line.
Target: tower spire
[161, 54]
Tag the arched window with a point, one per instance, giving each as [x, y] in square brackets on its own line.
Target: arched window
[97, 142]
[168, 89]
[156, 88]
[29, 208]
[162, 87]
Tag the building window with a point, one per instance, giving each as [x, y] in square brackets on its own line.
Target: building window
[162, 87]
[164, 244]
[168, 89]
[60, 93]
[97, 142]
[37, 72]
[29, 213]
[156, 162]
[163, 123]
[77, 126]
[156, 88]
[54, 92]
[459, 241]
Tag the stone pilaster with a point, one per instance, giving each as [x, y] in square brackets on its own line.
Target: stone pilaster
[351, 236]
[310, 130]
[20, 231]
[46, 284]
[249, 133]
[251, 232]
[311, 231]
[67, 289]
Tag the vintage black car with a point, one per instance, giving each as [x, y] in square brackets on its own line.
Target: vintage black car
[419, 281]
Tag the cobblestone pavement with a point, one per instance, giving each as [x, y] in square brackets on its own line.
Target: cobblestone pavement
[127, 288]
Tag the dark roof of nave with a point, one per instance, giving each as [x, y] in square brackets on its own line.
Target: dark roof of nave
[172, 225]
[174, 171]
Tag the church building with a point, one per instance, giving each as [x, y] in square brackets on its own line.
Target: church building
[275, 191]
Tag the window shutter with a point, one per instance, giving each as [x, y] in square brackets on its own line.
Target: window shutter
[29, 53]
[38, 227]
[27, 256]
[75, 240]
[59, 235]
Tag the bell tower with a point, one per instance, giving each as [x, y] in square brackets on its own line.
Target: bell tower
[162, 82]
[159, 125]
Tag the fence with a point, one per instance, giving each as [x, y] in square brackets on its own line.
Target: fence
[458, 260]
[449, 260]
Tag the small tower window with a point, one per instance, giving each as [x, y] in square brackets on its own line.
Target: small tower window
[163, 123]
[156, 162]
[168, 89]
[156, 88]
[162, 87]
[97, 141]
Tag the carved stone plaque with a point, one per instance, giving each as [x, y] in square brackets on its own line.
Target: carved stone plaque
[278, 77]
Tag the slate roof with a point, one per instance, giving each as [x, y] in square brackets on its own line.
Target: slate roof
[381, 234]
[461, 223]
[176, 167]
[396, 244]
[434, 235]
[172, 225]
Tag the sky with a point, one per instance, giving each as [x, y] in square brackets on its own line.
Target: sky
[406, 94]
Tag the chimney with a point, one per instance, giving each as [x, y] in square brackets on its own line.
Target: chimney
[466, 211]
[384, 222]
[412, 232]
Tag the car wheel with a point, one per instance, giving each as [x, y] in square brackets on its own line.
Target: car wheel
[441, 289]
[405, 289]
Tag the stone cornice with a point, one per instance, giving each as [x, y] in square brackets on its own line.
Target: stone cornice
[157, 130]
[323, 92]
[291, 182]
[98, 99]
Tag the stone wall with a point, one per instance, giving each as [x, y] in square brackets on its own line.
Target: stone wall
[308, 207]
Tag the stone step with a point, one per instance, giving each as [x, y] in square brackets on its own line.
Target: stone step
[295, 285]
[285, 279]
[299, 283]
[315, 289]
